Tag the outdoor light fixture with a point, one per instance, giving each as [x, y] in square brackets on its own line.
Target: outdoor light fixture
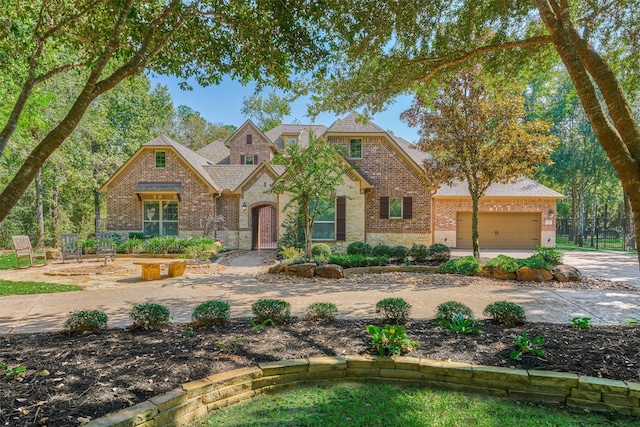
[551, 213]
[244, 206]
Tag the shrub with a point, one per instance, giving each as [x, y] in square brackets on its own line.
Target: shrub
[505, 312]
[381, 250]
[359, 248]
[467, 265]
[201, 251]
[214, 312]
[276, 310]
[139, 235]
[390, 341]
[449, 309]
[131, 246]
[293, 235]
[163, 245]
[525, 345]
[150, 316]
[505, 263]
[292, 255]
[399, 252]
[89, 246]
[581, 322]
[550, 255]
[419, 252]
[537, 261]
[460, 324]
[394, 309]
[439, 252]
[350, 261]
[85, 320]
[321, 311]
[321, 251]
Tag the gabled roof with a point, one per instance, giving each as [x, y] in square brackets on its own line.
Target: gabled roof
[350, 124]
[302, 132]
[250, 123]
[522, 187]
[216, 152]
[274, 171]
[229, 177]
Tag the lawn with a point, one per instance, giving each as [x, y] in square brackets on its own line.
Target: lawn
[8, 287]
[361, 404]
[10, 260]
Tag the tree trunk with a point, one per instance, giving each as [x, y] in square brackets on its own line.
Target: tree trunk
[629, 228]
[308, 233]
[95, 148]
[39, 211]
[573, 232]
[55, 216]
[474, 226]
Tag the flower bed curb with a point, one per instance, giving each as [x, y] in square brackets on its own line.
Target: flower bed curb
[196, 398]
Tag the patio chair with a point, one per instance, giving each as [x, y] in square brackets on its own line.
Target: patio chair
[23, 248]
[71, 246]
[107, 243]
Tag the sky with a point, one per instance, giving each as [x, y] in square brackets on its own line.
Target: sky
[223, 104]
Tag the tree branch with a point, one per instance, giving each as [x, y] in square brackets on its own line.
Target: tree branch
[61, 69]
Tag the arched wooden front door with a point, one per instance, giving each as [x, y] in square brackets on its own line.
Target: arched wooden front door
[264, 227]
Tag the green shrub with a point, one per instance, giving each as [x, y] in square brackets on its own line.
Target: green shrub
[200, 251]
[536, 261]
[399, 252]
[526, 345]
[459, 323]
[505, 263]
[150, 316]
[467, 265]
[163, 245]
[321, 311]
[394, 309]
[292, 255]
[439, 252]
[85, 320]
[550, 255]
[321, 251]
[139, 235]
[293, 235]
[381, 250]
[505, 312]
[89, 246]
[350, 261]
[419, 252]
[131, 246]
[390, 341]
[449, 309]
[214, 312]
[271, 309]
[359, 248]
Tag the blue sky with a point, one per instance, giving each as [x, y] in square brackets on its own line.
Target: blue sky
[222, 104]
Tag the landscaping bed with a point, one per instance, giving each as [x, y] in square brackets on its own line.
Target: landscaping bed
[89, 375]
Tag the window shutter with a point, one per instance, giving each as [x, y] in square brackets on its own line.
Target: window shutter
[341, 218]
[242, 159]
[384, 207]
[249, 139]
[407, 207]
[255, 159]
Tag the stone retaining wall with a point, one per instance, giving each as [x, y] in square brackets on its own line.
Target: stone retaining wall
[196, 398]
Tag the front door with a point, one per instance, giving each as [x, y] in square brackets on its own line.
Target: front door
[264, 227]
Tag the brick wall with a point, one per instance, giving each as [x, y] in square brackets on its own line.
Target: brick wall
[238, 145]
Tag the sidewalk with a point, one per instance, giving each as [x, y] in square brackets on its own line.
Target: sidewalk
[237, 285]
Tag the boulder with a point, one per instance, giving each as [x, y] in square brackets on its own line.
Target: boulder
[330, 271]
[496, 273]
[54, 254]
[526, 274]
[300, 270]
[566, 273]
[275, 269]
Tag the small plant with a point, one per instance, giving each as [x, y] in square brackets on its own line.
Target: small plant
[89, 246]
[459, 323]
[525, 346]
[581, 322]
[321, 251]
[359, 248]
[550, 255]
[258, 326]
[439, 252]
[131, 246]
[85, 320]
[275, 310]
[150, 316]
[394, 309]
[390, 341]
[467, 265]
[13, 371]
[419, 252]
[292, 255]
[230, 346]
[137, 235]
[506, 263]
[399, 252]
[381, 250]
[449, 309]
[214, 312]
[537, 261]
[505, 312]
[321, 311]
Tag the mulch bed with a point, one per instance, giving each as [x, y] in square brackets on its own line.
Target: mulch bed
[90, 375]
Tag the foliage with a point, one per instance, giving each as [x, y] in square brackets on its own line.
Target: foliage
[150, 316]
[439, 252]
[536, 261]
[13, 371]
[505, 263]
[390, 341]
[274, 309]
[359, 248]
[259, 326]
[292, 255]
[320, 250]
[525, 346]
[581, 322]
[267, 113]
[214, 312]
[399, 252]
[350, 261]
[230, 346]
[89, 246]
[163, 245]
[549, 255]
[85, 320]
[396, 310]
[419, 252]
[131, 246]
[200, 251]
[381, 250]
[293, 235]
[505, 312]
[9, 287]
[467, 265]
[136, 235]
[321, 311]
[459, 323]
[448, 309]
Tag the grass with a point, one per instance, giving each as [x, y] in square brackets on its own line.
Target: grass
[8, 287]
[359, 404]
[8, 261]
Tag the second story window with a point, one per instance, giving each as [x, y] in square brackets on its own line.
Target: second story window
[161, 159]
[292, 141]
[355, 148]
[248, 160]
[250, 139]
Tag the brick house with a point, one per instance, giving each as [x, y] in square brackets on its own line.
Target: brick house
[168, 189]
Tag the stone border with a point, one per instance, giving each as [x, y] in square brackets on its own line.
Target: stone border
[197, 398]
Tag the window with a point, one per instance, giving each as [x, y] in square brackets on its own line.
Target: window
[250, 139]
[292, 141]
[161, 159]
[355, 148]
[248, 160]
[395, 207]
[160, 217]
[324, 227]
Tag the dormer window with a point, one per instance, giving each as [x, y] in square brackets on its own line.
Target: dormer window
[355, 148]
[292, 141]
[249, 139]
[161, 159]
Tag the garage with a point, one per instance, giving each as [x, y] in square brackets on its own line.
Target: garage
[500, 230]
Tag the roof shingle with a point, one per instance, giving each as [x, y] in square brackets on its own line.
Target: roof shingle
[522, 187]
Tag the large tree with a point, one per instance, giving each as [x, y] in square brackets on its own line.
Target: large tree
[389, 47]
[477, 136]
[112, 40]
[267, 112]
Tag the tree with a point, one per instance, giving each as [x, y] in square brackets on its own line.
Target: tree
[194, 131]
[386, 48]
[477, 137]
[114, 40]
[267, 113]
[311, 177]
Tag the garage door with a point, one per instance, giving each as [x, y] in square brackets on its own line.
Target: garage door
[500, 230]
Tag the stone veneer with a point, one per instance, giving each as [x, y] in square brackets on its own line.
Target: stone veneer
[195, 399]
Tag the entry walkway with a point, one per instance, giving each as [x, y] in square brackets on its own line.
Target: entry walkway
[237, 285]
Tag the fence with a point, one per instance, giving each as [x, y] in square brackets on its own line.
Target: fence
[595, 233]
